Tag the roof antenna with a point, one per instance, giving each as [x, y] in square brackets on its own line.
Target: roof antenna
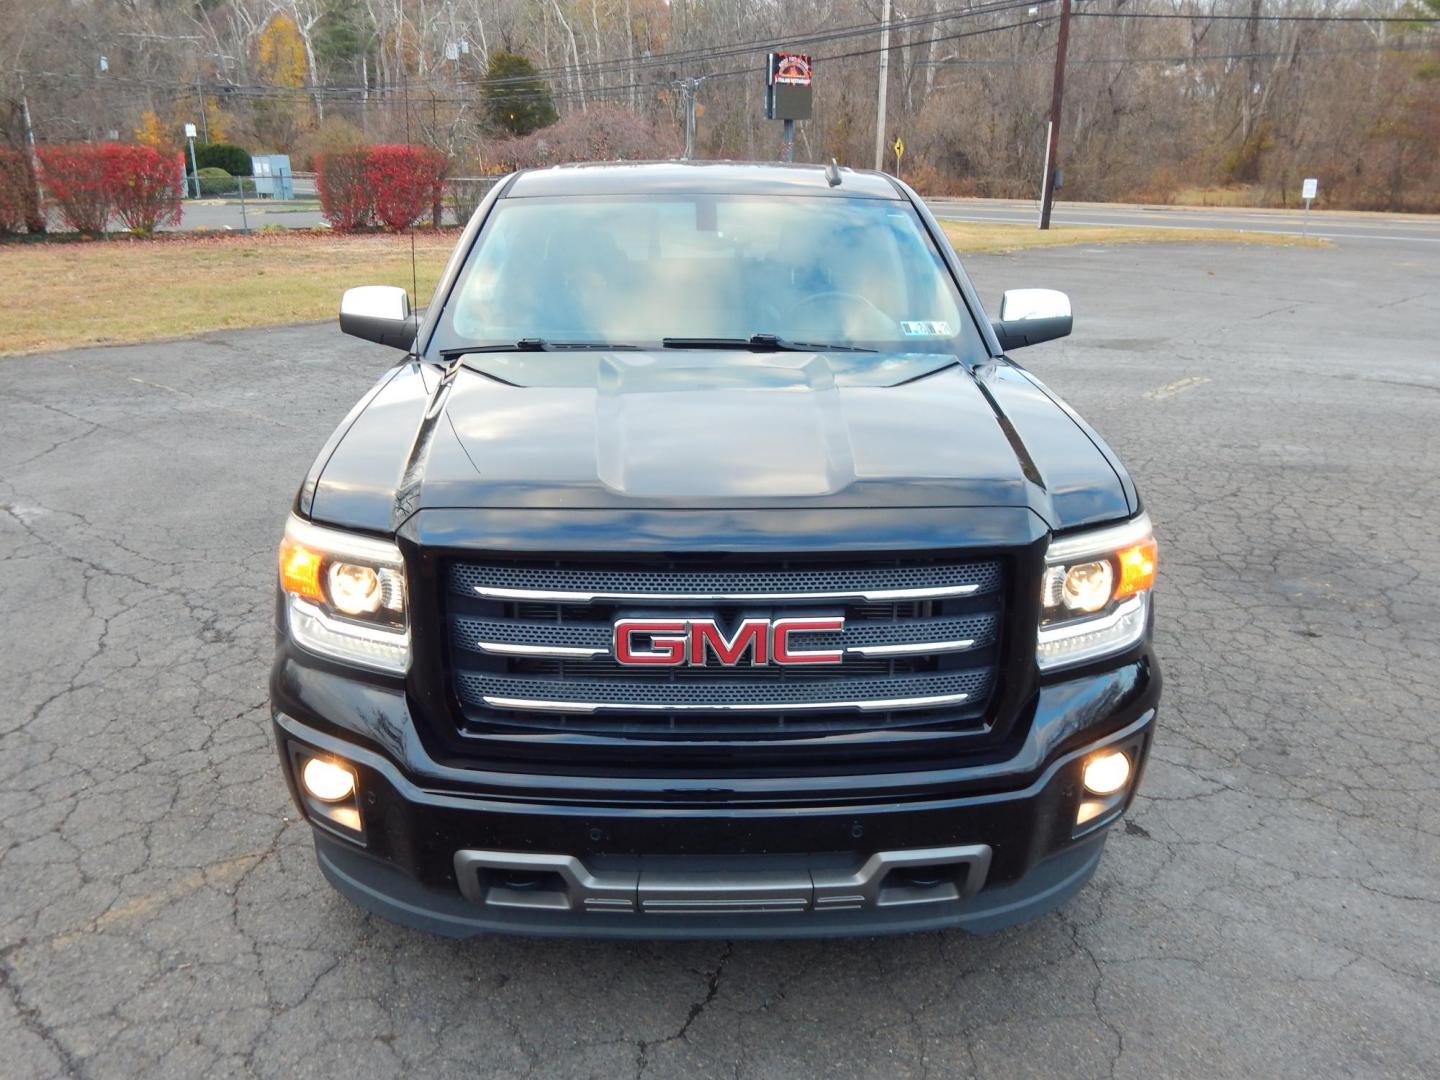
[832, 173]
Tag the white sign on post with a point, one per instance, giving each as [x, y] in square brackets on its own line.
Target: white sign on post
[1308, 191]
[189, 131]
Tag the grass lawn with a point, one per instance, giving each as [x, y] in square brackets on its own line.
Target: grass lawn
[1238, 195]
[119, 291]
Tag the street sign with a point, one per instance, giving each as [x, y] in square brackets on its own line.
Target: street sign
[788, 88]
[194, 170]
[899, 147]
[1311, 188]
[792, 69]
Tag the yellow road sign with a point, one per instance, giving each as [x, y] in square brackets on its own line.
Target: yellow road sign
[899, 147]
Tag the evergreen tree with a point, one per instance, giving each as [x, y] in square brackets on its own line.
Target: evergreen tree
[521, 103]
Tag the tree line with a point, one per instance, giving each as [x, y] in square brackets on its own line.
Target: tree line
[1165, 99]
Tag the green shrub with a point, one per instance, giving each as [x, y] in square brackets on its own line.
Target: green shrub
[215, 181]
[227, 156]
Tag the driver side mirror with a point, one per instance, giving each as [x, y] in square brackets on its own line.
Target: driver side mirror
[1030, 316]
[379, 313]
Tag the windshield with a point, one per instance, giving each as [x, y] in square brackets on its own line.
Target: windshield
[638, 270]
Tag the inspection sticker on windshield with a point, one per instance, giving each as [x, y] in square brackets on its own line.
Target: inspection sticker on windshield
[924, 328]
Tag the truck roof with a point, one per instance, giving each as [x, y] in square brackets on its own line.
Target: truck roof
[698, 178]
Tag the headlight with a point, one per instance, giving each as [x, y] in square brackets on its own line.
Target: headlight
[345, 596]
[1096, 594]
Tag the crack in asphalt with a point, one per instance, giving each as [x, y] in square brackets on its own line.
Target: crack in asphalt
[1270, 906]
[31, 1019]
[712, 988]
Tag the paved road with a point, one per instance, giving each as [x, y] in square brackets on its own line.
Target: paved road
[1399, 229]
[1391, 229]
[1271, 908]
[222, 214]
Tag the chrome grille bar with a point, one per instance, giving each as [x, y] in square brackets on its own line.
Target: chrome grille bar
[871, 705]
[873, 596]
[558, 652]
[917, 648]
[586, 640]
[572, 652]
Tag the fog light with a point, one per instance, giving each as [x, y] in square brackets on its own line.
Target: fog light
[327, 781]
[1107, 772]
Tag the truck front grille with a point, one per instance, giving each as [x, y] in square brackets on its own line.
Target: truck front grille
[530, 646]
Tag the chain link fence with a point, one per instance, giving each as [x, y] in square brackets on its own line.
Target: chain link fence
[460, 196]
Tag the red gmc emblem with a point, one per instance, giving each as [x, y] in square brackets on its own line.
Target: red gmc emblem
[692, 642]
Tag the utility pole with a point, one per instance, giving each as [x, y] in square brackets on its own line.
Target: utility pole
[690, 86]
[29, 130]
[32, 160]
[200, 101]
[1057, 97]
[884, 79]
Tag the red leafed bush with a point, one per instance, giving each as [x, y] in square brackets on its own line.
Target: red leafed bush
[406, 181]
[19, 201]
[144, 185]
[75, 179]
[346, 198]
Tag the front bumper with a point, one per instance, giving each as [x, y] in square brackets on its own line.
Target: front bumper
[381, 888]
[459, 851]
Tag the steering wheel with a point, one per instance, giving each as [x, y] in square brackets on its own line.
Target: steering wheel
[855, 298]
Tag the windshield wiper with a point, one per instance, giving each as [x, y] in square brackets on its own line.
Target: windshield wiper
[757, 343]
[532, 344]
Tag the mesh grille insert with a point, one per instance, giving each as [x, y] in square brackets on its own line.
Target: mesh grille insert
[466, 578]
[474, 688]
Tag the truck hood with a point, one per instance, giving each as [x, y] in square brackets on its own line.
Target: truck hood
[731, 430]
[625, 432]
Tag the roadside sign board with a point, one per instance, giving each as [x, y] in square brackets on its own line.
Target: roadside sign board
[788, 89]
[792, 69]
[899, 147]
[1308, 191]
[189, 131]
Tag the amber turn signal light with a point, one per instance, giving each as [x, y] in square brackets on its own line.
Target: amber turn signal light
[300, 570]
[1137, 568]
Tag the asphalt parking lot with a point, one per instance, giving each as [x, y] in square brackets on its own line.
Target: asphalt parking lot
[1270, 908]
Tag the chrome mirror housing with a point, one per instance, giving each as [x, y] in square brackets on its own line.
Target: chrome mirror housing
[379, 313]
[1030, 316]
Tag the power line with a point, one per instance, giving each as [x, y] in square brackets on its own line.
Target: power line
[1181, 59]
[330, 92]
[377, 96]
[957, 36]
[729, 49]
[1254, 18]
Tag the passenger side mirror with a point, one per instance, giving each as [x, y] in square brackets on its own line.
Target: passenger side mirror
[1030, 316]
[379, 313]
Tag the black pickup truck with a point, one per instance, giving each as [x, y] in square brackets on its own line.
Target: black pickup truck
[706, 568]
